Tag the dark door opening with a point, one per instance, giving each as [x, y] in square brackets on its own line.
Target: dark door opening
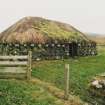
[73, 49]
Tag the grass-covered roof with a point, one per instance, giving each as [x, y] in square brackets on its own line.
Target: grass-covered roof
[39, 30]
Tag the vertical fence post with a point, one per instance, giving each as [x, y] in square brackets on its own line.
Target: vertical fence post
[66, 75]
[29, 65]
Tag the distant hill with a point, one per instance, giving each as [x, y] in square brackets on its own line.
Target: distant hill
[40, 30]
[98, 38]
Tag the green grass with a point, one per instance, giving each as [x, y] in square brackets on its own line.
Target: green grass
[14, 92]
[82, 70]
[58, 30]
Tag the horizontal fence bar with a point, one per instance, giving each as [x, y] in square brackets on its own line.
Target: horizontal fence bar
[13, 70]
[13, 57]
[13, 63]
[13, 75]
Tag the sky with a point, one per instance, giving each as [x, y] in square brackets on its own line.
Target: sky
[85, 15]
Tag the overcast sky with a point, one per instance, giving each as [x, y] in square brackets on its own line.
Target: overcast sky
[85, 15]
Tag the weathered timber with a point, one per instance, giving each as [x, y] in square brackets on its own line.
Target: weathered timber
[13, 63]
[66, 73]
[29, 69]
[13, 57]
[15, 66]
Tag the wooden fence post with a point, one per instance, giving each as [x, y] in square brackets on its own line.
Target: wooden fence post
[29, 65]
[66, 75]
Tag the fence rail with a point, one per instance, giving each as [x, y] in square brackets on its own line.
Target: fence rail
[13, 57]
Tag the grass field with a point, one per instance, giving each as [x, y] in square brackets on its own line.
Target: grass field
[13, 92]
[82, 70]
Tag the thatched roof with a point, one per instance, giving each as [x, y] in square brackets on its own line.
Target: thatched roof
[39, 30]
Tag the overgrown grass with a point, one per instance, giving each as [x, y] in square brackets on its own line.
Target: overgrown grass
[14, 92]
[82, 70]
[58, 30]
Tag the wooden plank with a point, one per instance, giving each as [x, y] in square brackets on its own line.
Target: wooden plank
[66, 73]
[13, 63]
[11, 67]
[29, 65]
[12, 70]
[13, 75]
[13, 57]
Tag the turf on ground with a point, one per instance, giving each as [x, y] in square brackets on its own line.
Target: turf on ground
[82, 70]
[13, 92]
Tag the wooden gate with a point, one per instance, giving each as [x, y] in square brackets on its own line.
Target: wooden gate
[15, 66]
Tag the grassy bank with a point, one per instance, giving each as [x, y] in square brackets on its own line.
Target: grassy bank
[82, 70]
